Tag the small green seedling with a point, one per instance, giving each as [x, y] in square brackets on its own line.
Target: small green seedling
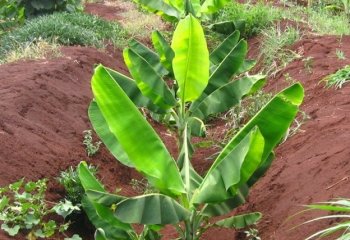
[339, 78]
[91, 147]
[252, 234]
[340, 54]
[308, 64]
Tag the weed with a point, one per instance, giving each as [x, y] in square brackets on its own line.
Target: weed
[69, 179]
[326, 23]
[274, 49]
[91, 147]
[289, 79]
[142, 186]
[339, 78]
[256, 17]
[308, 63]
[64, 29]
[296, 126]
[340, 54]
[252, 234]
[23, 206]
[39, 49]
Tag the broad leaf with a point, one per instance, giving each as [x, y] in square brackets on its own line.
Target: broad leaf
[130, 88]
[160, 8]
[191, 61]
[110, 141]
[143, 146]
[104, 198]
[151, 57]
[227, 96]
[212, 6]
[151, 209]
[227, 67]
[220, 52]
[228, 173]
[273, 120]
[240, 221]
[148, 80]
[87, 179]
[164, 50]
[103, 217]
[219, 209]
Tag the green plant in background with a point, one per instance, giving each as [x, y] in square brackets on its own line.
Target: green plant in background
[339, 78]
[11, 14]
[23, 207]
[91, 147]
[185, 199]
[64, 29]
[256, 17]
[69, 179]
[340, 208]
[274, 48]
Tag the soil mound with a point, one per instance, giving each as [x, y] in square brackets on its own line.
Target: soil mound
[314, 165]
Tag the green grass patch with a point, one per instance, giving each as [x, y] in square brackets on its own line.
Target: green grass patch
[64, 29]
[339, 78]
[274, 47]
[256, 17]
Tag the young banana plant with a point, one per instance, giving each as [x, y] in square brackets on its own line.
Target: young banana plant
[186, 199]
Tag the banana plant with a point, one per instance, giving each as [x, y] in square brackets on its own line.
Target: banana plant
[152, 71]
[185, 199]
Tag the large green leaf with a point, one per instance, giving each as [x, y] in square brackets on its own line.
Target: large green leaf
[227, 96]
[148, 80]
[191, 61]
[104, 198]
[239, 221]
[220, 52]
[101, 128]
[228, 173]
[151, 209]
[130, 88]
[227, 67]
[87, 179]
[161, 8]
[164, 50]
[143, 146]
[222, 208]
[273, 120]
[151, 57]
[103, 217]
[212, 6]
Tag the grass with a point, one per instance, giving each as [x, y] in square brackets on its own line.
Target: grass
[339, 78]
[33, 50]
[274, 51]
[256, 17]
[64, 29]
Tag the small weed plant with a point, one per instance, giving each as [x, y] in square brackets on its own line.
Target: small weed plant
[339, 78]
[23, 207]
[252, 234]
[69, 179]
[91, 147]
[340, 54]
[274, 48]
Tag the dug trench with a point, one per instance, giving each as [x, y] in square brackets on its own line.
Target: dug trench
[43, 113]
